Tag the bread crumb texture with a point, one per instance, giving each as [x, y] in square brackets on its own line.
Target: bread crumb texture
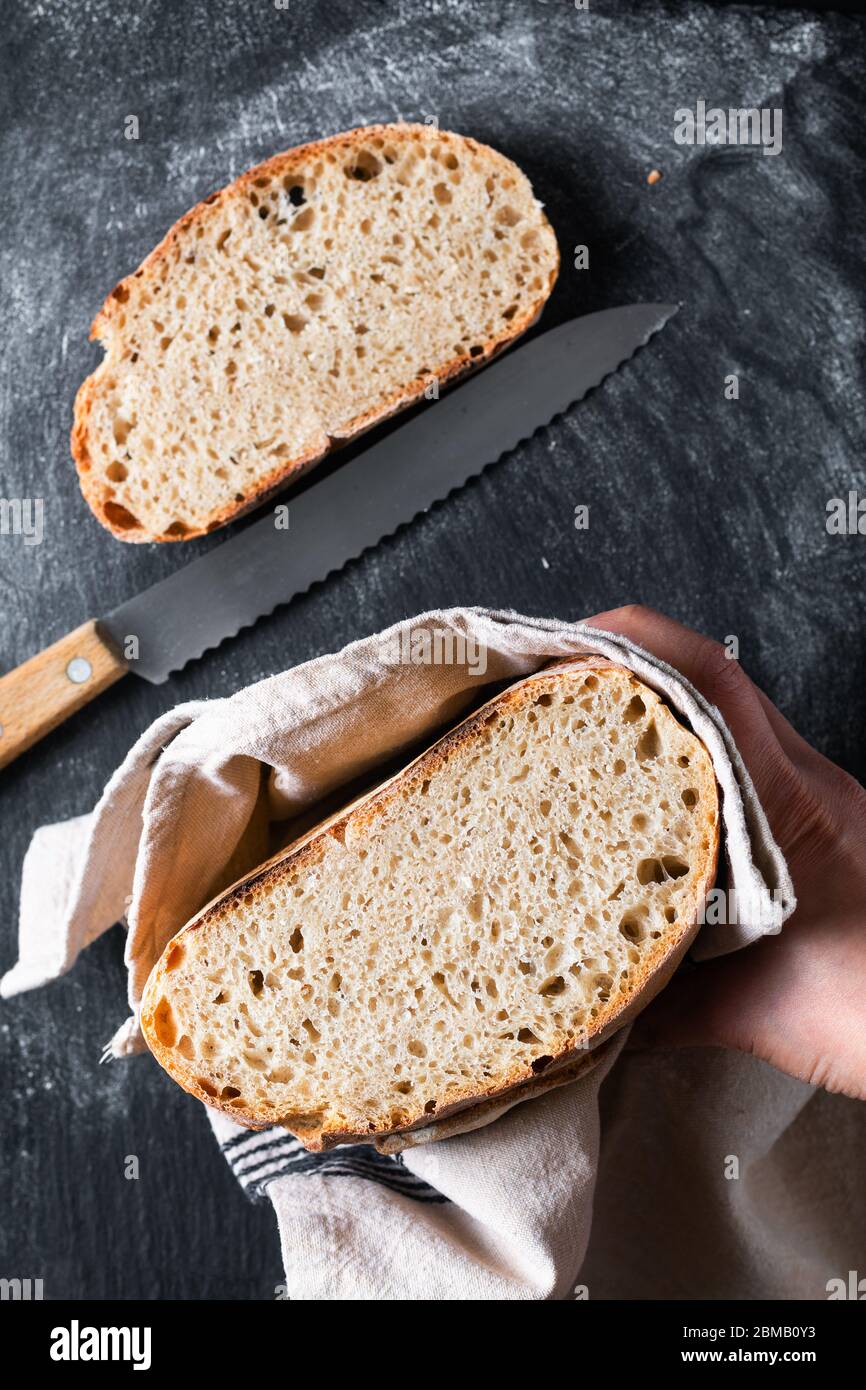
[319, 293]
[479, 918]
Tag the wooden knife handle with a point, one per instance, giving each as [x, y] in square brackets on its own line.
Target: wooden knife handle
[40, 694]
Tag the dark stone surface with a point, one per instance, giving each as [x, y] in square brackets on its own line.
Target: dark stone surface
[713, 510]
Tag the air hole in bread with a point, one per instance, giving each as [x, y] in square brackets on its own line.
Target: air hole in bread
[509, 216]
[174, 955]
[634, 710]
[570, 844]
[164, 1024]
[690, 798]
[603, 986]
[673, 866]
[296, 940]
[119, 517]
[553, 986]
[121, 429]
[476, 907]
[438, 981]
[364, 167]
[632, 927]
[526, 1035]
[649, 743]
[256, 981]
[650, 871]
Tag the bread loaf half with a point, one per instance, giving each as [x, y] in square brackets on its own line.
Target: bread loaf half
[499, 907]
[319, 293]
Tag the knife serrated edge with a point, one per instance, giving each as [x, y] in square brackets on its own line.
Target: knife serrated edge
[422, 511]
[666, 313]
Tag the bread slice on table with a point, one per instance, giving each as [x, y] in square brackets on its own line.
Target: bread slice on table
[502, 905]
[317, 294]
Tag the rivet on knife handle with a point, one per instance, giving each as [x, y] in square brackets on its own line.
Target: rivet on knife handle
[41, 693]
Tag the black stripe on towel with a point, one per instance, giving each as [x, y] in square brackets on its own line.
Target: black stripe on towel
[257, 1159]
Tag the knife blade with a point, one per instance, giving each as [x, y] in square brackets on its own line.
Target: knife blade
[334, 521]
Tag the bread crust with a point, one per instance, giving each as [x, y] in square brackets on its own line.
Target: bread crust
[656, 968]
[96, 491]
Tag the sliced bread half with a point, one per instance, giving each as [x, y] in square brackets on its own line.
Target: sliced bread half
[503, 904]
[319, 293]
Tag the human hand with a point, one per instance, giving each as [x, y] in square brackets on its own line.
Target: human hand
[798, 1000]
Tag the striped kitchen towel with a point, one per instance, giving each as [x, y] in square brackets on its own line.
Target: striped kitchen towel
[258, 1157]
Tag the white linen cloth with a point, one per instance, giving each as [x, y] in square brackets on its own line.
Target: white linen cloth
[205, 795]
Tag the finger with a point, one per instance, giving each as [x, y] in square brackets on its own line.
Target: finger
[720, 679]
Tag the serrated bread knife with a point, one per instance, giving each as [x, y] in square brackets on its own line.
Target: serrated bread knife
[332, 522]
